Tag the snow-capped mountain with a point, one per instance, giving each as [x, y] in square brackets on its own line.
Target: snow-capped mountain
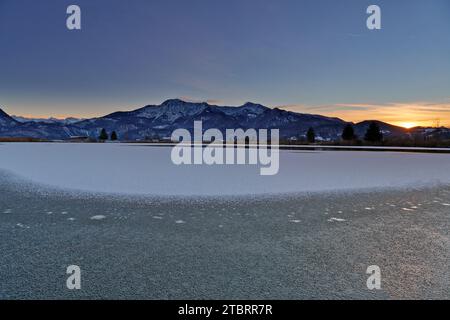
[159, 121]
[171, 110]
[10, 127]
[69, 120]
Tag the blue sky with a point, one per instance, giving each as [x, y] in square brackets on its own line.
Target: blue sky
[310, 56]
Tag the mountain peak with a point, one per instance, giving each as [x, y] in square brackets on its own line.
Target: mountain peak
[251, 104]
[3, 113]
[178, 102]
[173, 102]
[179, 105]
[171, 110]
[6, 119]
[253, 107]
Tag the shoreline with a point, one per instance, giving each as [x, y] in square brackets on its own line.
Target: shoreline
[312, 147]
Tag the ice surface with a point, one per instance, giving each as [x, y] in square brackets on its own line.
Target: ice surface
[98, 217]
[336, 220]
[143, 169]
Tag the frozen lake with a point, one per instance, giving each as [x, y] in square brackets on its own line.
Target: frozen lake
[148, 170]
[293, 247]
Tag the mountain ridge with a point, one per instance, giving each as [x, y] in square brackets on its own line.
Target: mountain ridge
[159, 121]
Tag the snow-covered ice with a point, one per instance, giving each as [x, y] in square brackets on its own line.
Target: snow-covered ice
[21, 225]
[336, 220]
[142, 169]
[98, 217]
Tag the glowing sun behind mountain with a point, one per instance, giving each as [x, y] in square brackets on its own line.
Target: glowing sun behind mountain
[408, 125]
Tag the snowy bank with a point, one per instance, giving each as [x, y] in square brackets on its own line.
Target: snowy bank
[143, 169]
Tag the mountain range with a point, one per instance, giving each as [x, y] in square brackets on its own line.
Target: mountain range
[69, 120]
[159, 121]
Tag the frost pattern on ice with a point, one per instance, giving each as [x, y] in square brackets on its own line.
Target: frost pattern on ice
[98, 217]
[336, 220]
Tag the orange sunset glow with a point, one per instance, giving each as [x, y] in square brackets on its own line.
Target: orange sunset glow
[407, 115]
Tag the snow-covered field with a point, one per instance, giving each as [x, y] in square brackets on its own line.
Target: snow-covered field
[143, 169]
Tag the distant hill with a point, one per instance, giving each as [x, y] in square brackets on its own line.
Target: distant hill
[386, 128]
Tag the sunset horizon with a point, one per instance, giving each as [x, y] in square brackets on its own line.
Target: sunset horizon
[420, 114]
[306, 60]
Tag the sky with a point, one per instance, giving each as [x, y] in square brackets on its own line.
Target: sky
[314, 56]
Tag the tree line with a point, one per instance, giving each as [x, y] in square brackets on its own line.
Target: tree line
[103, 136]
[373, 134]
